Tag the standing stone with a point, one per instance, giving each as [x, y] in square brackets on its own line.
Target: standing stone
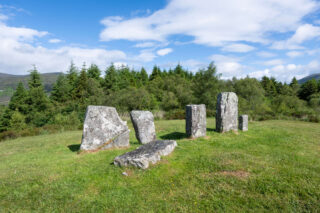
[227, 112]
[104, 129]
[143, 125]
[146, 154]
[196, 124]
[243, 122]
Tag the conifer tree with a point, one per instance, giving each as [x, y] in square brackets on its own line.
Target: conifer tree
[156, 72]
[34, 80]
[81, 90]
[111, 79]
[94, 72]
[61, 90]
[144, 76]
[19, 98]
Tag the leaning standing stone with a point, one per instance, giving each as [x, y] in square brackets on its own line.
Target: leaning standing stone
[143, 125]
[196, 124]
[227, 112]
[103, 129]
[146, 154]
[243, 122]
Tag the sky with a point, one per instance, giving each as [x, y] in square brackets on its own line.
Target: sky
[243, 38]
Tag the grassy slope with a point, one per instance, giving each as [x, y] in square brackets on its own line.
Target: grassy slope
[273, 167]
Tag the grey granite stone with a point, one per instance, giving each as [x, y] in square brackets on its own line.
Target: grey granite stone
[103, 129]
[146, 154]
[196, 123]
[143, 123]
[243, 122]
[227, 112]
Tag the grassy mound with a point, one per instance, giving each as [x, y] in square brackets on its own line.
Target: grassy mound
[273, 167]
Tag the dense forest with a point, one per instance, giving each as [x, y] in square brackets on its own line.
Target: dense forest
[165, 92]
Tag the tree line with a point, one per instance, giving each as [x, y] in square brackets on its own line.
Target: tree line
[32, 111]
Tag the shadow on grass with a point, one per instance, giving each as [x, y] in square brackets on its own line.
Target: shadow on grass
[74, 147]
[174, 136]
[211, 130]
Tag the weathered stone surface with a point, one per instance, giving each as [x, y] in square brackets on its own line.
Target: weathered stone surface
[146, 154]
[104, 129]
[196, 120]
[243, 122]
[143, 125]
[227, 112]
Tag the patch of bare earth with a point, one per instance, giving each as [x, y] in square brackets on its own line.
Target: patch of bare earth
[238, 174]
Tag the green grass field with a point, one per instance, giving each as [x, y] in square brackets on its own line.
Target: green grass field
[274, 167]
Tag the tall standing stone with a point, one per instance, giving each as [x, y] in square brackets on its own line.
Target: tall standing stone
[227, 112]
[243, 122]
[143, 123]
[196, 123]
[104, 129]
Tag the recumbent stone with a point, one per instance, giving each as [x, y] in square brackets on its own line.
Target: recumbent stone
[146, 154]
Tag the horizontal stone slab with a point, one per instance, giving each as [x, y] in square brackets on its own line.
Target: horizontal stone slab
[146, 154]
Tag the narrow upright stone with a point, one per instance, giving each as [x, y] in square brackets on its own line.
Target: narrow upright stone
[227, 112]
[243, 122]
[103, 129]
[196, 123]
[143, 123]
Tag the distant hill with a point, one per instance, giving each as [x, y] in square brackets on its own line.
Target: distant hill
[309, 77]
[8, 83]
[12, 81]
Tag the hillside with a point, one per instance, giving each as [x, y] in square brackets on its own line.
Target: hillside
[274, 167]
[309, 77]
[11, 81]
[8, 83]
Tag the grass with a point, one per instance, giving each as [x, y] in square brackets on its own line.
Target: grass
[274, 167]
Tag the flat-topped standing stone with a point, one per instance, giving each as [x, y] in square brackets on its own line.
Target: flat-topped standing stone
[243, 122]
[227, 112]
[196, 124]
[143, 125]
[146, 154]
[104, 129]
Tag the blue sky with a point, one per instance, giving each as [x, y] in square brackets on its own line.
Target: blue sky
[248, 37]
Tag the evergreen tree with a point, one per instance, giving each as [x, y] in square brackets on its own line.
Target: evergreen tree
[144, 76]
[61, 90]
[111, 79]
[18, 100]
[34, 80]
[308, 88]
[94, 72]
[294, 85]
[72, 74]
[156, 72]
[81, 90]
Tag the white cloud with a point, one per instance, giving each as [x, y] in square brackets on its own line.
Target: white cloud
[303, 33]
[54, 41]
[285, 72]
[273, 62]
[265, 54]
[145, 44]
[19, 51]
[212, 22]
[228, 66]
[241, 48]
[165, 51]
[294, 54]
[145, 55]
